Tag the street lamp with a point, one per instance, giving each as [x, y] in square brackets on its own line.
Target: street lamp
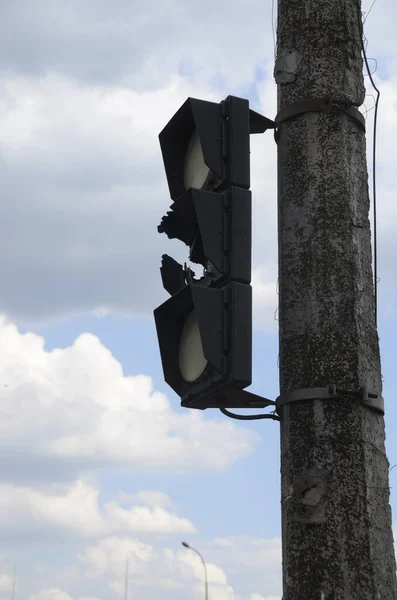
[127, 568]
[127, 564]
[204, 565]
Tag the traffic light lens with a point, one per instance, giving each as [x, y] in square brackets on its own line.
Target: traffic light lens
[192, 361]
[196, 174]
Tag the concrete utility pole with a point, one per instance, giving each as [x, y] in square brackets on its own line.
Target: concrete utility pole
[336, 519]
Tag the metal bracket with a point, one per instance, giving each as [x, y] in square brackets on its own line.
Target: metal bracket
[317, 105]
[369, 399]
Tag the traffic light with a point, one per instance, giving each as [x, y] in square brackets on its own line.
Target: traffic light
[205, 328]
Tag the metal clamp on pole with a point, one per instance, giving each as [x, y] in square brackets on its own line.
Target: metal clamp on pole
[369, 399]
[317, 105]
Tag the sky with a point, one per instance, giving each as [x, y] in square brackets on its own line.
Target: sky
[99, 464]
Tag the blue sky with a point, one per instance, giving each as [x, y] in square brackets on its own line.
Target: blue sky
[99, 461]
[134, 343]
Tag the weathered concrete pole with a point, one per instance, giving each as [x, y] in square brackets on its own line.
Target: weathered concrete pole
[336, 519]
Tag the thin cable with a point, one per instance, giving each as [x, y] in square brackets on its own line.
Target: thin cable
[367, 110]
[376, 66]
[371, 96]
[373, 101]
[273, 31]
[373, 163]
[365, 113]
[371, 7]
[249, 417]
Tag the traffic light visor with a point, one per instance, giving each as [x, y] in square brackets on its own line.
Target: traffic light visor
[191, 145]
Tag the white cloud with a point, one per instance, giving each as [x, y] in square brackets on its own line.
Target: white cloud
[7, 576]
[55, 594]
[145, 497]
[164, 568]
[256, 550]
[265, 298]
[52, 594]
[137, 44]
[264, 215]
[244, 557]
[215, 574]
[80, 166]
[70, 410]
[82, 177]
[181, 570]
[148, 520]
[84, 90]
[6, 584]
[106, 561]
[75, 510]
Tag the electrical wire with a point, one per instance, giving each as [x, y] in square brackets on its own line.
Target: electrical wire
[249, 417]
[367, 110]
[376, 66]
[367, 14]
[373, 160]
[273, 30]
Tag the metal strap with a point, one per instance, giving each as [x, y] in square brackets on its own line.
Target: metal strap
[318, 105]
[369, 399]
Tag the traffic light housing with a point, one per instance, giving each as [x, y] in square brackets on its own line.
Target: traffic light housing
[224, 361]
[217, 229]
[223, 130]
[205, 328]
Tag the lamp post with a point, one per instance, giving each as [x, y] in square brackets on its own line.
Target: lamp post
[13, 581]
[127, 564]
[204, 565]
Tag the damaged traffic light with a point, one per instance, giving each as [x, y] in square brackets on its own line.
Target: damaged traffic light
[205, 328]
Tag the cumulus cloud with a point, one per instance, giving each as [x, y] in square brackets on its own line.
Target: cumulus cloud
[145, 497]
[70, 410]
[138, 44]
[56, 594]
[6, 584]
[80, 167]
[62, 512]
[177, 571]
[7, 575]
[84, 90]
[248, 551]
[147, 520]
[257, 559]
[53, 594]
[106, 561]
[81, 176]
[81, 172]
